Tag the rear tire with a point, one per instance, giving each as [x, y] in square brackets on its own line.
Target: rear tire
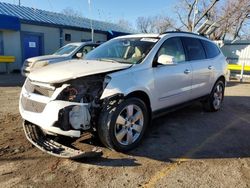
[215, 99]
[122, 126]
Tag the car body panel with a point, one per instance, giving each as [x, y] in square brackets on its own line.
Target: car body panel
[173, 86]
[72, 69]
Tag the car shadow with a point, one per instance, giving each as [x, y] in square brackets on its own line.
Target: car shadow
[11, 80]
[233, 83]
[191, 133]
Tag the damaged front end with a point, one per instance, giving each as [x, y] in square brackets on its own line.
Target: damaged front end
[66, 109]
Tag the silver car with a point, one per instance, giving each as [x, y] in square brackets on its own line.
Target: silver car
[70, 51]
[119, 88]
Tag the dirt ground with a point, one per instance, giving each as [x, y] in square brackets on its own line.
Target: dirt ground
[186, 148]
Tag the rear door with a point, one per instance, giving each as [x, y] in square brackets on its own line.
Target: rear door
[173, 82]
[202, 73]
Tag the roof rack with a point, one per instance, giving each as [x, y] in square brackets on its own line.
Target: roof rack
[185, 32]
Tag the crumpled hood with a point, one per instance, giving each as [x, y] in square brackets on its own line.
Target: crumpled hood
[45, 57]
[67, 70]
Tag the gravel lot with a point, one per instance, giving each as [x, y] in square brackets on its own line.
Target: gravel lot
[186, 148]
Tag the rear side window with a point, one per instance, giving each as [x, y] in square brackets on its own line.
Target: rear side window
[211, 49]
[194, 49]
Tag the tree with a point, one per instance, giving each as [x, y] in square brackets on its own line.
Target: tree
[232, 18]
[71, 12]
[187, 8]
[154, 24]
[124, 24]
[144, 24]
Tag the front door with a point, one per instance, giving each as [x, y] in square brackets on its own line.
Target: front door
[32, 45]
[173, 82]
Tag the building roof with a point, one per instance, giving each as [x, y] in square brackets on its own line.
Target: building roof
[38, 16]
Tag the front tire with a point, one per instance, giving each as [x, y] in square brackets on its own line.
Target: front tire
[215, 99]
[122, 126]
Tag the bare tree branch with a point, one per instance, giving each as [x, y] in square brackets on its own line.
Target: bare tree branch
[181, 20]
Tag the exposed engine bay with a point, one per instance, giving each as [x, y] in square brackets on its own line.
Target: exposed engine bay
[82, 90]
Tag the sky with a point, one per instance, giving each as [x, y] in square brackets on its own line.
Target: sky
[105, 10]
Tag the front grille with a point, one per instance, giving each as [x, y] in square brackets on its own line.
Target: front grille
[43, 91]
[29, 86]
[32, 106]
[38, 89]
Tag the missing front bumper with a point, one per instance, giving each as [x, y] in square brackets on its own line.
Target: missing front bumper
[36, 136]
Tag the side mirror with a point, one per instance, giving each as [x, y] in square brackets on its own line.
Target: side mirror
[166, 60]
[79, 55]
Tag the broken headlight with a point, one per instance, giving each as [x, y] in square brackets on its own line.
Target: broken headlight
[85, 89]
[73, 94]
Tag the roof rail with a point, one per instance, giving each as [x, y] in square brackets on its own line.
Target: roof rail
[185, 32]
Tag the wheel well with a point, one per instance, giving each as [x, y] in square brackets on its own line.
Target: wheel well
[143, 96]
[222, 78]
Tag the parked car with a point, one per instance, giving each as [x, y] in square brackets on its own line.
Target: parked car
[119, 87]
[70, 51]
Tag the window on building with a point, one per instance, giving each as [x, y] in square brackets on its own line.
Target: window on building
[1, 43]
[67, 37]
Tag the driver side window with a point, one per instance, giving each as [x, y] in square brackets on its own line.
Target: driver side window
[173, 47]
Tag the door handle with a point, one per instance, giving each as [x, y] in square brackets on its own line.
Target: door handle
[187, 71]
[210, 67]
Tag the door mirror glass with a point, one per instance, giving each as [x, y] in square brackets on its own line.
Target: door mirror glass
[166, 60]
[79, 55]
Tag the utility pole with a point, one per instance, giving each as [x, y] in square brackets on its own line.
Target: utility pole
[195, 12]
[91, 21]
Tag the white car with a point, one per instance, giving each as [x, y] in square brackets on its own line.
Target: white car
[70, 51]
[119, 88]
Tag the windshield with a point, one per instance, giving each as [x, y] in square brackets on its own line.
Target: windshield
[66, 50]
[125, 50]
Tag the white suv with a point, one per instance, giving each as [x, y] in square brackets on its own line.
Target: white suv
[119, 88]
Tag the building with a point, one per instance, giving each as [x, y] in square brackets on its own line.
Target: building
[236, 51]
[28, 32]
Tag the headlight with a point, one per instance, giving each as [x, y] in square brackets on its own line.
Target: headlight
[40, 64]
